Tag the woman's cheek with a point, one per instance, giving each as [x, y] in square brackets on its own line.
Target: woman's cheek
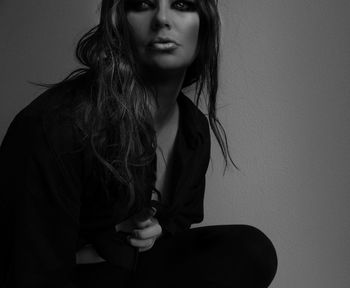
[192, 35]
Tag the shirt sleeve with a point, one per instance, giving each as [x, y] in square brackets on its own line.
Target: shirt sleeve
[39, 211]
[190, 213]
[113, 247]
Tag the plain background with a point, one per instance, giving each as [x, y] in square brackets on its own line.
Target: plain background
[284, 100]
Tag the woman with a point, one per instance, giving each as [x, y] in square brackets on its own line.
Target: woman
[105, 171]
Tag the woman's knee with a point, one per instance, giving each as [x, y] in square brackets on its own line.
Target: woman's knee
[241, 251]
[251, 251]
[260, 253]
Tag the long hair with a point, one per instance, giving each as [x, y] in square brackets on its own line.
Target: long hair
[204, 70]
[116, 115]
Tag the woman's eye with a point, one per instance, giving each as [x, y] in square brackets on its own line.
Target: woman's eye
[139, 5]
[143, 5]
[185, 5]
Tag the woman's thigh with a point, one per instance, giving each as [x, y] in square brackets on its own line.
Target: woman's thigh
[212, 256]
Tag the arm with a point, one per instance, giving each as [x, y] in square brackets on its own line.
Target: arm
[142, 229]
[188, 214]
[39, 212]
[121, 244]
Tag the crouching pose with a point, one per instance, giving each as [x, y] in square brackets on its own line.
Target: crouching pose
[103, 174]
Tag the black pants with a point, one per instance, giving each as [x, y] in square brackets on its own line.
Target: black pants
[213, 256]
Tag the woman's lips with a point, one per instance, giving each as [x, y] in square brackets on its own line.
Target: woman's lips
[163, 46]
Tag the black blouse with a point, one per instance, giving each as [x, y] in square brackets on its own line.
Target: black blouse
[51, 203]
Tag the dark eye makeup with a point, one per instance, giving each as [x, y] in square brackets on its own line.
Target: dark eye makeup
[185, 5]
[139, 5]
[143, 5]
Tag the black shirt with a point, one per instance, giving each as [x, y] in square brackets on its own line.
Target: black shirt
[51, 204]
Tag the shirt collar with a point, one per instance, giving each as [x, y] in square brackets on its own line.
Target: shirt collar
[189, 121]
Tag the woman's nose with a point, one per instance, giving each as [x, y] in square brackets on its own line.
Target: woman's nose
[161, 17]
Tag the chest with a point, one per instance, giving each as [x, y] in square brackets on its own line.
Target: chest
[165, 149]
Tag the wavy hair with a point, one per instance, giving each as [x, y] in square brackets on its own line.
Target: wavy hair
[116, 115]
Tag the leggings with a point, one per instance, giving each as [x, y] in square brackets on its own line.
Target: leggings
[222, 256]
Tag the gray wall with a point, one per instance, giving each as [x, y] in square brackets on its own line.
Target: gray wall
[284, 100]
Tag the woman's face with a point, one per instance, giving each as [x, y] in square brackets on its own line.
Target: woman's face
[164, 32]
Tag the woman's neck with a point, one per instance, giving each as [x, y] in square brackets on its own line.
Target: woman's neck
[168, 88]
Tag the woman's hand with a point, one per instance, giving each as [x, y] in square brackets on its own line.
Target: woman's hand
[144, 229]
[146, 233]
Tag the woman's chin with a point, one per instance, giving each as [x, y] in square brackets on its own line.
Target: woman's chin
[167, 61]
[166, 65]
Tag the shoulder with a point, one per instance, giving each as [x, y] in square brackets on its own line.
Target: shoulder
[49, 118]
[58, 100]
[191, 109]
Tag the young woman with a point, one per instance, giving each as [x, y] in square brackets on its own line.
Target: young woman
[104, 173]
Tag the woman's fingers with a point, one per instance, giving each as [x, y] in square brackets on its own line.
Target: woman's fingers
[144, 238]
[152, 231]
[142, 244]
[143, 224]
